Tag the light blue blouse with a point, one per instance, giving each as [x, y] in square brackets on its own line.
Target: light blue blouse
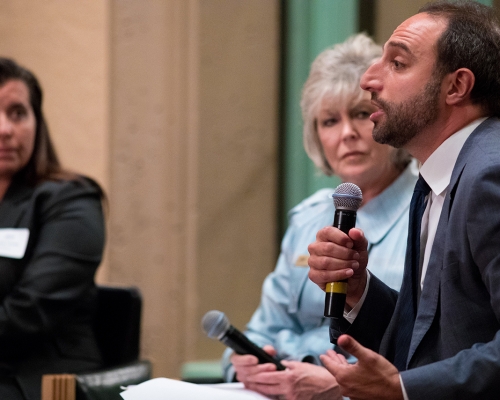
[290, 314]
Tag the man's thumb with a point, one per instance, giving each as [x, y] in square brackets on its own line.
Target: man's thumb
[350, 345]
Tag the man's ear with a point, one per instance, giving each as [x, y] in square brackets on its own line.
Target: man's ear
[459, 86]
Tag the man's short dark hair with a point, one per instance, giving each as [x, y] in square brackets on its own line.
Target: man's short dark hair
[471, 40]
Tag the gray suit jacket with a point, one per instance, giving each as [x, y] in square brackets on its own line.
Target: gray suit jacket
[455, 346]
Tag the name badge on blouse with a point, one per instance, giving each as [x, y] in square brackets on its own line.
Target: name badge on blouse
[13, 242]
[301, 261]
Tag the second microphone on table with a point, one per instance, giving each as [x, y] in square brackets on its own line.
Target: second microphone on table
[217, 326]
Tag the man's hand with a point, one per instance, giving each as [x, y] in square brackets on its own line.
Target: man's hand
[371, 378]
[335, 256]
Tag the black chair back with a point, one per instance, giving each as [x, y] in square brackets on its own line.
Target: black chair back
[118, 324]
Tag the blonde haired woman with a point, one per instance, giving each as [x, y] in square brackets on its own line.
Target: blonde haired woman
[289, 322]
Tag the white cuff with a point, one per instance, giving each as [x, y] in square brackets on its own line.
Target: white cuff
[351, 315]
[405, 395]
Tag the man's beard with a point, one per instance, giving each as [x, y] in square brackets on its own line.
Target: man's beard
[406, 120]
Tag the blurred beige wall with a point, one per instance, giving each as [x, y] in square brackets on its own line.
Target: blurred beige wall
[172, 106]
[66, 44]
[389, 14]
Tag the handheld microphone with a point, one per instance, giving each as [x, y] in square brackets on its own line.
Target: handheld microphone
[347, 198]
[216, 326]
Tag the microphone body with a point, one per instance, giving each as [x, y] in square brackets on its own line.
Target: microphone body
[242, 345]
[336, 292]
[347, 198]
[216, 326]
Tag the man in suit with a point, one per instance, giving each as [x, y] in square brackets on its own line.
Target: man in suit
[437, 88]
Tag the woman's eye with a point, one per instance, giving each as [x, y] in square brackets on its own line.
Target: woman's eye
[362, 115]
[18, 113]
[329, 122]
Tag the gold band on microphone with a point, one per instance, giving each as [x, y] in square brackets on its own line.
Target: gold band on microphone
[336, 287]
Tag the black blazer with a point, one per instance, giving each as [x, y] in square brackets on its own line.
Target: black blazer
[47, 297]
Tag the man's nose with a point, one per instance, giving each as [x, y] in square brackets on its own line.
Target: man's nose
[370, 80]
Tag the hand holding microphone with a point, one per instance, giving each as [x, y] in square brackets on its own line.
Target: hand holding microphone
[216, 326]
[347, 198]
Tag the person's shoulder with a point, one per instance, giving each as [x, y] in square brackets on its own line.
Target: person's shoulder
[61, 189]
[487, 139]
[481, 149]
[313, 207]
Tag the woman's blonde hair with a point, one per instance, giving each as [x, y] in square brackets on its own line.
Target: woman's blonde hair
[335, 74]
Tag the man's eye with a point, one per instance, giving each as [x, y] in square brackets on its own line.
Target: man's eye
[397, 64]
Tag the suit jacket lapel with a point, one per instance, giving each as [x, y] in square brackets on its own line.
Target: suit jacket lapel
[429, 299]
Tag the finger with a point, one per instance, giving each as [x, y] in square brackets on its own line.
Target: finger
[360, 242]
[244, 360]
[331, 352]
[350, 345]
[331, 364]
[333, 249]
[321, 278]
[332, 261]
[270, 350]
[268, 383]
[335, 235]
[246, 374]
[336, 357]
[268, 377]
[291, 364]
[261, 368]
[342, 359]
[331, 256]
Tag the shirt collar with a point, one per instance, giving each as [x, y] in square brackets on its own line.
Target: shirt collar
[378, 216]
[438, 167]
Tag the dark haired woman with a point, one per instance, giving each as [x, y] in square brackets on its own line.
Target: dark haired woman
[51, 243]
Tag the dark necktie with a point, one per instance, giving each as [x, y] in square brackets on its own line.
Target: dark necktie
[408, 296]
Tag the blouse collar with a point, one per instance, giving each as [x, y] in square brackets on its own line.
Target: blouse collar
[378, 216]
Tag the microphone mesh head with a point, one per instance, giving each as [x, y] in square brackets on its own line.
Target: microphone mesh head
[215, 324]
[347, 196]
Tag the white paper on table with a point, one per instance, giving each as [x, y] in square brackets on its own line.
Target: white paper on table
[171, 389]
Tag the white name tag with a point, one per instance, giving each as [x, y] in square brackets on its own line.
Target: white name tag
[13, 242]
